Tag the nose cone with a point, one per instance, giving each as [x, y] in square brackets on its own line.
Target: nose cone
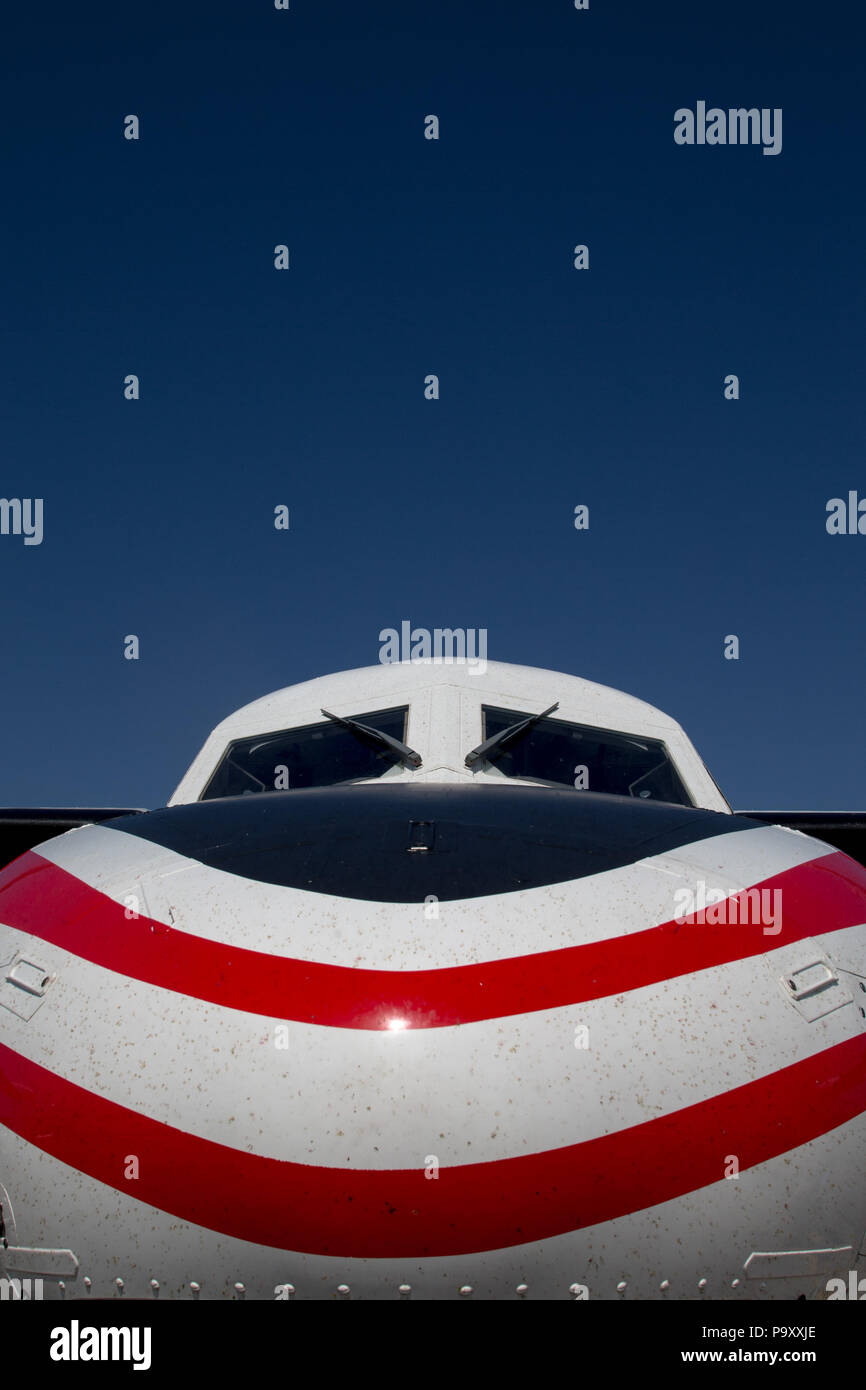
[320, 1087]
[402, 843]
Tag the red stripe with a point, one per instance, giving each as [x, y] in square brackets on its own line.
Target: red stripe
[398, 1212]
[37, 897]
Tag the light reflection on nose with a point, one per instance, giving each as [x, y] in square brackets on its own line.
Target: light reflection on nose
[396, 1025]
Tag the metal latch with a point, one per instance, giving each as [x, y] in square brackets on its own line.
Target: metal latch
[23, 987]
[815, 989]
[811, 978]
[27, 975]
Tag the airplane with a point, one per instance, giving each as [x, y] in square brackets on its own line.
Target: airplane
[434, 983]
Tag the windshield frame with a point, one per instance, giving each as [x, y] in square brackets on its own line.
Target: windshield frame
[310, 728]
[489, 766]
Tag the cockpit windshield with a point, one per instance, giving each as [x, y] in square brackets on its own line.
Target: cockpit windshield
[317, 755]
[580, 756]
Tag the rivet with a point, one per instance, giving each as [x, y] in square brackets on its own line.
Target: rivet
[287, 1289]
[522, 1290]
[405, 1291]
[62, 1287]
[87, 1283]
[621, 1286]
[119, 1284]
[702, 1283]
[735, 1283]
[195, 1289]
[344, 1291]
[465, 1290]
[665, 1284]
[154, 1287]
[240, 1290]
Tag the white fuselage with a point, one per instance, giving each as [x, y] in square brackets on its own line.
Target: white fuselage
[270, 1053]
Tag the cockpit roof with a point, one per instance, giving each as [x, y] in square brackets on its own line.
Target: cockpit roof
[497, 678]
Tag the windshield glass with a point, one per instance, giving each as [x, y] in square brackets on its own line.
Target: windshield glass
[589, 759]
[317, 755]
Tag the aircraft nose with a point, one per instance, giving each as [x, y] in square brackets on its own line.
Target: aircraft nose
[402, 844]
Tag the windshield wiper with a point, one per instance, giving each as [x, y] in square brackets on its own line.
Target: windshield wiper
[506, 736]
[401, 751]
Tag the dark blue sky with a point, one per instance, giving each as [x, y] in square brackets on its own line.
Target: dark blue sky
[408, 256]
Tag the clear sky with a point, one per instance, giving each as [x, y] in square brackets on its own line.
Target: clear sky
[409, 256]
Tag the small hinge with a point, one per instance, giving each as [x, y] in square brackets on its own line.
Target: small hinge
[421, 836]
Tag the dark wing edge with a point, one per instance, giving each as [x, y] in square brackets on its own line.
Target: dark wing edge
[844, 830]
[22, 828]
